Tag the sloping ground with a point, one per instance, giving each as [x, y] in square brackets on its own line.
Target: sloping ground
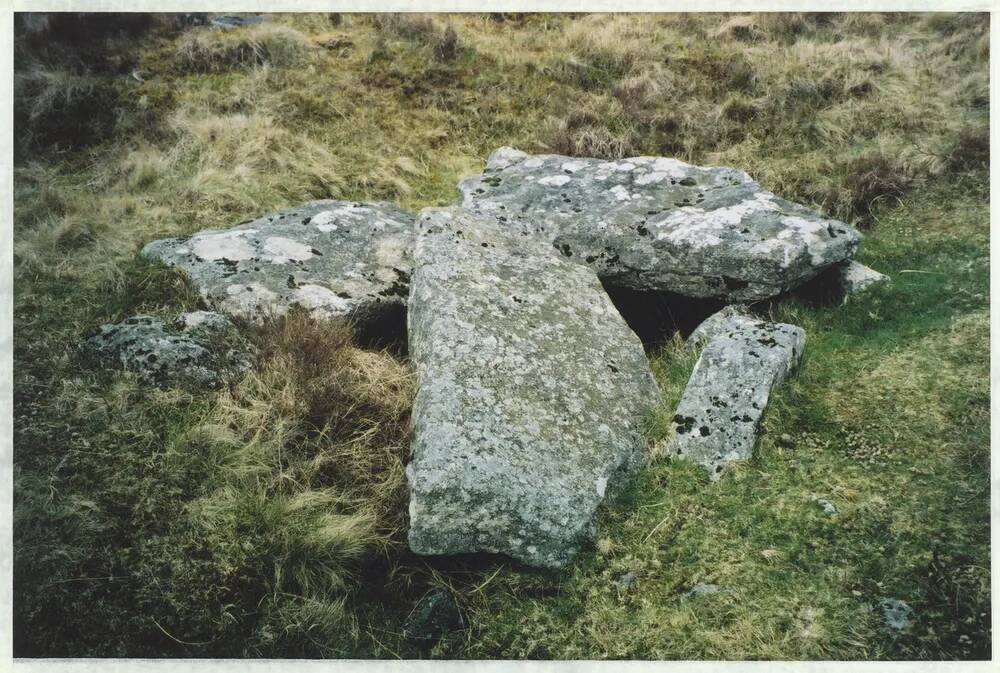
[268, 519]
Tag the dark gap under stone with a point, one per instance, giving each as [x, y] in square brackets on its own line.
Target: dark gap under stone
[655, 316]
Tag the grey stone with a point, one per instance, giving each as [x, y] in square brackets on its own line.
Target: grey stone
[744, 359]
[236, 20]
[203, 322]
[855, 277]
[828, 507]
[627, 580]
[703, 589]
[433, 616]
[336, 259]
[898, 615]
[661, 224]
[165, 356]
[532, 394]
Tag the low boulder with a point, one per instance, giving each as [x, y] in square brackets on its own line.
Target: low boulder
[532, 394]
[855, 277]
[742, 360]
[336, 259]
[190, 352]
[653, 223]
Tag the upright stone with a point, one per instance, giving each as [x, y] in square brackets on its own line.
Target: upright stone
[742, 361]
[333, 258]
[653, 223]
[531, 399]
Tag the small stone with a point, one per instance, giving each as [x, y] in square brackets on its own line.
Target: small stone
[433, 616]
[855, 277]
[627, 580]
[897, 614]
[703, 589]
[786, 440]
[828, 507]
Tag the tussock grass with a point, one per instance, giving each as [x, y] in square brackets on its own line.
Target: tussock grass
[267, 519]
[214, 50]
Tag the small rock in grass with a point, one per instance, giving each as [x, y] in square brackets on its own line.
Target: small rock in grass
[702, 589]
[434, 615]
[898, 615]
[236, 20]
[855, 277]
[627, 580]
[182, 354]
[828, 507]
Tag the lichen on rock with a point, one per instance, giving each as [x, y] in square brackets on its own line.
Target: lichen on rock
[742, 360]
[336, 259]
[655, 223]
[531, 399]
[189, 352]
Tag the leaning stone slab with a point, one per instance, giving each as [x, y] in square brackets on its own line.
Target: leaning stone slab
[855, 277]
[742, 361]
[531, 399]
[332, 258]
[188, 352]
[653, 223]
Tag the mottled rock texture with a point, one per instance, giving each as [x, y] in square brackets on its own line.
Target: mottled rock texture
[742, 361]
[532, 394]
[661, 224]
[333, 258]
[190, 352]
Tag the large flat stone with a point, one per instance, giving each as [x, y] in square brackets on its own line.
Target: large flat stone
[661, 224]
[333, 258]
[742, 360]
[532, 394]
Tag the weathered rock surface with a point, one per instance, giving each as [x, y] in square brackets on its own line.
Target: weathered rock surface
[183, 354]
[661, 224]
[855, 277]
[742, 361]
[236, 20]
[333, 258]
[531, 399]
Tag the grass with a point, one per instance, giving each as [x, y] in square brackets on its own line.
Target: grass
[268, 519]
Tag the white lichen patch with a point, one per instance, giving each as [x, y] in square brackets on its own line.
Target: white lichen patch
[504, 157]
[554, 180]
[323, 218]
[652, 178]
[534, 162]
[321, 300]
[620, 193]
[285, 249]
[624, 166]
[573, 166]
[228, 245]
[251, 300]
[674, 168]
